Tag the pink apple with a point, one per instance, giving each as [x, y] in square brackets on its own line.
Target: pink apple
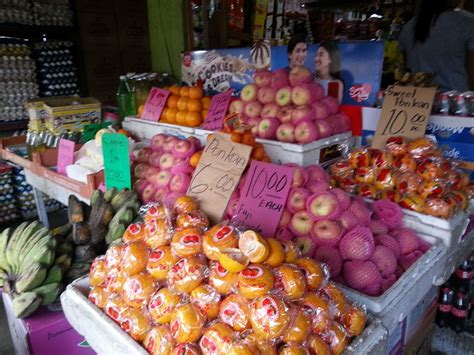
[169, 143]
[155, 159]
[180, 183]
[327, 232]
[280, 79]
[284, 234]
[195, 141]
[297, 199]
[151, 174]
[236, 106]
[331, 103]
[148, 193]
[317, 186]
[266, 95]
[316, 173]
[182, 167]
[306, 132]
[323, 205]
[140, 185]
[301, 113]
[160, 194]
[162, 179]
[336, 123]
[324, 128]
[183, 149]
[321, 111]
[300, 176]
[157, 141]
[286, 133]
[262, 78]
[249, 93]
[143, 155]
[305, 245]
[267, 127]
[167, 161]
[283, 96]
[300, 75]
[301, 223]
[253, 109]
[305, 94]
[270, 110]
[318, 92]
[346, 122]
[285, 218]
[284, 114]
[253, 124]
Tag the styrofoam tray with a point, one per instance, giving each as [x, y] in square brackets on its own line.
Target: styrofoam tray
[279, 152]
[394, 305]
[106, 337]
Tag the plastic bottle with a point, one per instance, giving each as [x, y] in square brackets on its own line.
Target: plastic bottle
[443, 315]
[125, 99]
[459, 312]
[463, 275]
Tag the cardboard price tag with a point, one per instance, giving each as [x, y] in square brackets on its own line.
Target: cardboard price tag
[65, 155]
[264, 197]
[217, 174]
[217, 110]
[116, 161]
[405, 113]
[155, 103]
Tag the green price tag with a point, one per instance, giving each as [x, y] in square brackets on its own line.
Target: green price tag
[91, 129]
[116, 161]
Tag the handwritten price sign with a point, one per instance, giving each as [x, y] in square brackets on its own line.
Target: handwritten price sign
[264, 197]
[65, 155]
[405, 113]
[116, 161]
[217, 174]
[217, 111]
[155, 103]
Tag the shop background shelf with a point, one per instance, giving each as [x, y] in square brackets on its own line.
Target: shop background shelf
[105, 336]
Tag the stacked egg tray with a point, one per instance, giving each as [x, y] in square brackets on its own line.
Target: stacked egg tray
[8, 209]
[57, 72]
[52, 13]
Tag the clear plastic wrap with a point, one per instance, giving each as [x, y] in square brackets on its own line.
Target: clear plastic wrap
[187, 274]
[269, 316]
[255, 280]
[159, 340]
[234, 311]
[360, 158]
[98, 272]
[162, 304]
[187, 323]
[207, 300]
[290, 282]
[136, 322]
[221, 236]
[138, 289]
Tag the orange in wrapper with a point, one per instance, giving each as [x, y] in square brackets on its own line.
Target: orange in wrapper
[439, 207]
[291, 251]
[207, 300]
[318, 310]
[187, 274]
[162, 305]
[353, 320]
[186, 323]
[98, 296]
[217, 339]
[137, 290]
[276, 255]
[135, 232]
[156, 211]
[360, 157]
[314, 272]
[299, 327]
[254, 246]
[187, 242]
[186, 349]
[293, 349]
[243, 348]
[98, 272]
[185, 204]
[114, 255]
[195, 219]
[336, 338]
[396, 146]
[221, 279]
[160, 262]
[115, 307]
[234, 311]
[412, 202]
[289, 281]
[218, 238]
[430, 169]
[135, 258]
[385, 179]
[158, 233]
[408, 183]
[381, 159]
[318, 345]
[254, 281]
[136, 323]
[364, 175]
[269, 317]
[404, 163]
[336, 296]
[159, 340]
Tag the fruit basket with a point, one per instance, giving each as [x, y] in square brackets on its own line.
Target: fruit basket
[104, 335]
[394, 305]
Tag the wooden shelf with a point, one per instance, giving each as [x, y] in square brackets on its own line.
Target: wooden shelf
[28, 31]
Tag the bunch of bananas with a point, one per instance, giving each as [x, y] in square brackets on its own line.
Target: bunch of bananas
[33, 261]
[406, 78]
[95, 227]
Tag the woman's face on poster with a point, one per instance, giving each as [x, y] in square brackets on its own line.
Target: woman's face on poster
[322, 60]
[298, 56]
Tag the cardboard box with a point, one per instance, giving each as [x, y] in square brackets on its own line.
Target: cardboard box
[46, 332]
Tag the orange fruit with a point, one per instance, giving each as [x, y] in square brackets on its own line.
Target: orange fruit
[276, 255]
[160, 262]
[318, 307]
[248, 139]
[299, 327]
[207, 300]
[206, 102]
[293, 349]
[318, 345]
[159, 340]
[186, 323]
[115, 308]
[254, 246]
[204, 113]
[136, 323]
[175, 90]
[98, 272]
[290, 281]
[236, 137]
[134, 232]
[182, 103]
[291, 251]
[192, 219]
[172, 101]
[337, 338]
[187, 242]
[193, 119]
[196, 92]
[313, 271]
[98, 296]
[218, 238]
[217, 339]
[171, 117]
[138, 289]
[114, 255]
[255, 280]
[181, 118]
[124, 132]
[258, 152]
[233, 260]
[186, 349]
[135, 258]
[269, 317]
[221, 279]
[194, 160]
[162, 305]
[141, 108]
[337, 297]
[194, 105]
[185, 204]
[187, 274]
[164, 114]
[353, 320]
[234, 311]
[184, 92]
[158, 232]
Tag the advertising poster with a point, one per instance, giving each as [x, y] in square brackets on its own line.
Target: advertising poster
[359, 74]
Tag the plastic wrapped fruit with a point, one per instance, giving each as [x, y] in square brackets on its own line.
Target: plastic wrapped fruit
[187, 242]
[159, 340]
[155, 211]
[421, 147]
[360, 157]
[234, 312]
[431, 189]
[186, 323]
[293, 349]
[115, 307]
[269, 316]
[160, 262]
[365, 174]
[217, 339]
[221, 279]
[276, 255]
[255, 280]
[317, 345]
[291, 251]
[430, 169]
[404, 163]
[114, 255]
[134, 232]
[396, 146]
[158, 233]
[367, 190]
[98, 296]
[299, 327]
[98, 272]
[342, 169]
[184, 204]
[385, 179]
[187, 274]
[337, 297]
[408, 183]
[186, 349]
[138, 289]
[337, 338]
[353, 320]
[195, 219]
[313, 271]
[162, 305]
[317, 307]
[135, 258]
[221, 236]
[233, 260]
[381, 159]
[412, 202]
[207, 300]
[254, 246]
[289, 282]
[136, 323]
[438, 207]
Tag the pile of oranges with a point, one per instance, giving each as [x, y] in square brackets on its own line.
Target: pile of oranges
[179, 282]
[186, 106]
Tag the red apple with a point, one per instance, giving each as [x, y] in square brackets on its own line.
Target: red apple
[280, 79]
[270, 110]
[323, 205]
[169, 143]
[162, 179]
[167, 161]
[331, 103]
[302, 113]
[305, 94]
[300, 175]
[253, 109]
[157, 141]
[327, 232]
[236, 106]
[286, 133]
[324, 128]
[266, 95]
[283, 96]
[306, 132]
[285, 218]
[267, 127]
[148, 193]
[249, 93]
[262, 78]
[321, 111]
[180, 182]
[253, 124]
[297, 199]
[301, 223]
[284, 114]
[300, 75]
[183, 149]
[305, 245]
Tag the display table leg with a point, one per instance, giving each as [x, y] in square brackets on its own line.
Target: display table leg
[40, 206]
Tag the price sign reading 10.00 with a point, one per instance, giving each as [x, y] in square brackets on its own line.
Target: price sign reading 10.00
[405, 113]
[116, 161]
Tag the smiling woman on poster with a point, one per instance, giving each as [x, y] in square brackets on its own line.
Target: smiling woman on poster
[328, 69]
[297, 50]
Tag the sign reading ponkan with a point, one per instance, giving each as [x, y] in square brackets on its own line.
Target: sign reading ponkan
[217, 175]
[405, 113]
[264, 197]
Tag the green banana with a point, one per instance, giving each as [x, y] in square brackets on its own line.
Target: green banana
[55, 274]
[64, 248]
[48, 293]
[110, 194]
[77, 270]
[124, 216]
[25, 304]
[12, 243]
[3, 277]
[115, 233]
[31, 229]
[122, 198]
[34, 240]
[96, 196]
[31, 278]
[64, 261]
[4, 238]
[43, 252]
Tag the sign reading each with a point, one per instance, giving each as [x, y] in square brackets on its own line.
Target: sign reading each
[155, 103]
[65, 155]
[264, 197]
[217, 174]
[217, 110]
[405, 113]
[116, 161]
